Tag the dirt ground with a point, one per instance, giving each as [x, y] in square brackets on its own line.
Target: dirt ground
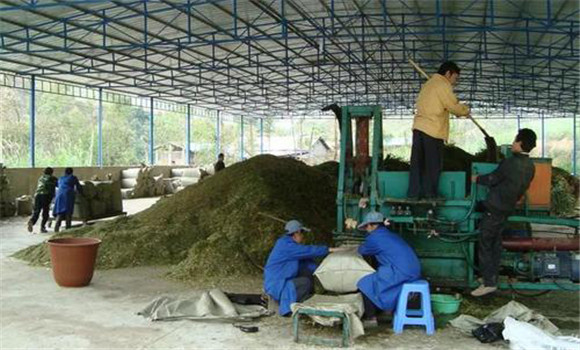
[36, 313]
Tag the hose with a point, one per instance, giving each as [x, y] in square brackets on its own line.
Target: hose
[467, 215]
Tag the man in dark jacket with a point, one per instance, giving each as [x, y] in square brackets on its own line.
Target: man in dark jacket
[507, 184]
[219, 165]
[44, 193]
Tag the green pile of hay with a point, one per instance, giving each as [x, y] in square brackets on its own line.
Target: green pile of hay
[564, 192]
[214, 228]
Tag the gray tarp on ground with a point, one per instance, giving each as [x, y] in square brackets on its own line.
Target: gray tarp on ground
[351, 304]
[210, 305]
[467, 323]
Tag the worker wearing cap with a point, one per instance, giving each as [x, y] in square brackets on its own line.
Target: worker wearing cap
[397, 262]
[431, 129]
[288, 272]
[507, 184]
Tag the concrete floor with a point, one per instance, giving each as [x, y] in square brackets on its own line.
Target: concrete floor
[36, 313]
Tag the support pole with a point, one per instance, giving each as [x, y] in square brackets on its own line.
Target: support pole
[543, 135]
[241, 138]
[574, 147]
[217, 134]
[32, 121]
[262, 134]
[518, 117]
[151, 133]
[188, 135]
[100, 129]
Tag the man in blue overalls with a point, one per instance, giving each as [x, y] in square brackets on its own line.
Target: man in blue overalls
[288, 272]
[397, 262]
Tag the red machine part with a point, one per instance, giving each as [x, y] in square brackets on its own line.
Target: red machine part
[362, 159]
[522, 244]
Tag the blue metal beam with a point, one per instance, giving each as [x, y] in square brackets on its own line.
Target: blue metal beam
[261, 135]
[100, 129]
[218, 134]
[32, 135]
[151, 132]
[188, 135]
[241, 137]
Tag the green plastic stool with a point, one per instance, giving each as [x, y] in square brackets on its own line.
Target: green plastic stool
[333, 342]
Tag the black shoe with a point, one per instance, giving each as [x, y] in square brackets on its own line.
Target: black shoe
[30, 227]
[43, 230]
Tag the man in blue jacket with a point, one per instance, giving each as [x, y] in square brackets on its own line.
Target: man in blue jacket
[397, 262]
[288, 272]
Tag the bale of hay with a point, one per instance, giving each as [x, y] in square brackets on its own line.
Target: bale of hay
[130, 173]
[89, 190]
[128, 183]
[214, 229]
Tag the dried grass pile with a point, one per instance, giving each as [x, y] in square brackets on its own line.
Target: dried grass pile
[215, 228]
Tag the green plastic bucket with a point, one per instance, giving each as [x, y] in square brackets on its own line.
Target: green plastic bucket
[445, 304]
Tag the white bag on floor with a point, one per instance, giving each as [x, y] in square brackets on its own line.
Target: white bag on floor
[524, 336]
[339, 272]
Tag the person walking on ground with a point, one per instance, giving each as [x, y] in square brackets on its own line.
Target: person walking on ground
[431, 129]
[219, 165]
[44, 194]
[507, 184]
[65, 199]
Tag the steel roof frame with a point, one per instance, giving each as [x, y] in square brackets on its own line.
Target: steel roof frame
[286, 57]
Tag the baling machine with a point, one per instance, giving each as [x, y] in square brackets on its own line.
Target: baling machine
[444, 232]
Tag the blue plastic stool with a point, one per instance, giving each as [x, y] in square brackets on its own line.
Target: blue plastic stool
[418, 317]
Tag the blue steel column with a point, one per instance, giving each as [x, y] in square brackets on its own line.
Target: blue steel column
[543, 135]
[32, 120]
[262, 135]
[217, 135]
[151, 133]
[575, 148]
[242, 137]
[100, 130]
[188, 136]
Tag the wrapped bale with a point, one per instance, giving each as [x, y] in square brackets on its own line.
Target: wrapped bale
[98, 209]
[24, 205]
[339, 272]
[130, 173]
[89, 190]
[128, 183]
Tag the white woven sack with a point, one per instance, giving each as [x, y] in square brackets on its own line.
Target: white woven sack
[339, 272]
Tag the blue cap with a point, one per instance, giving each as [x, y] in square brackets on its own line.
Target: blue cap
[371, 218]
[293, 226]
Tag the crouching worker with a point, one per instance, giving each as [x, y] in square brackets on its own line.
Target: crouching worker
[397, 262]
[507, 184]
[288, 272]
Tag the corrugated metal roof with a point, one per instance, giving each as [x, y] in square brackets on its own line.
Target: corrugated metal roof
[263, 57]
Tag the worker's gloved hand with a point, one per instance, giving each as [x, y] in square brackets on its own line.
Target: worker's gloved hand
[363, 202]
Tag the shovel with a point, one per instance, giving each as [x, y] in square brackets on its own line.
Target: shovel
[490, 143]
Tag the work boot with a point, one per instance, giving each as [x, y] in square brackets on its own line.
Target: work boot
[482, 290]
[30, 226]
[43, 230]
[57, 225]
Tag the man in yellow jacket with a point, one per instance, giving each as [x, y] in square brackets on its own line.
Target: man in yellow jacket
[431, 129]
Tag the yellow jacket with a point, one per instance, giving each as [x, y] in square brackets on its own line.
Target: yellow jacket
[436, 99]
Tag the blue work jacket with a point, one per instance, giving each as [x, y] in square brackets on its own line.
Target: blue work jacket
[286, 259]
[64, 202]
[398, 264]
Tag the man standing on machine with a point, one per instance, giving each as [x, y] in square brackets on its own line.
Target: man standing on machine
[431, 128]
[507, 184]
